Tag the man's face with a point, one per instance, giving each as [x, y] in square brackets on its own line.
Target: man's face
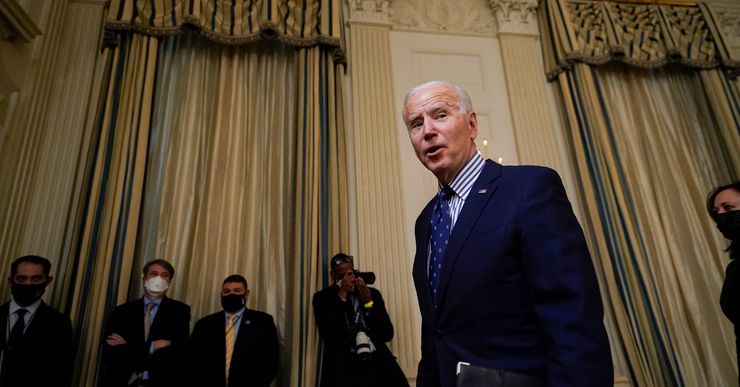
[234, 288]
[345, 272]
[157, 270]
[442, 135]
[30, 274]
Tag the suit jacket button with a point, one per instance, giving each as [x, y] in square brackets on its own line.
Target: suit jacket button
[438, 334]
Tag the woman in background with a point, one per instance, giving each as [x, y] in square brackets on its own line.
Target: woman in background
[723, 205]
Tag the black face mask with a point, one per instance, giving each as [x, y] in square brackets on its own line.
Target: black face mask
[728, 224]
[233, 302]
[25, 295]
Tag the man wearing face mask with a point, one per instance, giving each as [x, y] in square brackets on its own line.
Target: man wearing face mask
[35, 339]
[236, 346]
[146, 339]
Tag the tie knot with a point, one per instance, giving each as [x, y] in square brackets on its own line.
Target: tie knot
[21, 312]
[150, 306]
[446, 193]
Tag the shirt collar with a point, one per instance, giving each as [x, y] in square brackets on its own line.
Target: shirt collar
[237, 313]
[462, 183]
[30, 308]
[147, 300]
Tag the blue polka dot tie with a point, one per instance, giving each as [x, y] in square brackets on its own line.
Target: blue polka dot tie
[440, 237]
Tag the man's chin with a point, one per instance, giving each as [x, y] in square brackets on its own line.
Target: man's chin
[438, 169]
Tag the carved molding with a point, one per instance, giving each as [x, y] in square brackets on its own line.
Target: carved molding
[729, 24]
[369, 11]
[516, 16]
[458, 16]
[15, 24]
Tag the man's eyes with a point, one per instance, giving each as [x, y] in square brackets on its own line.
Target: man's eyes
[23, 278]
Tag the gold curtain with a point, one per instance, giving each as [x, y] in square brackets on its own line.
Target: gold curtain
[321, 202]
[221, 159]
[238, 181]
[110, 217]
[649, 141]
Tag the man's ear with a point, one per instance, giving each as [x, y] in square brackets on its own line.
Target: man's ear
[10, 281]
[49, 279]
[246, 296]
[473, 125]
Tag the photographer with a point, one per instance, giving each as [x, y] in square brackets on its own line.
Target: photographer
[354, 326]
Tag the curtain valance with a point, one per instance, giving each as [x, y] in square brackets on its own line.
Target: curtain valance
[640, 35]
[299, 23]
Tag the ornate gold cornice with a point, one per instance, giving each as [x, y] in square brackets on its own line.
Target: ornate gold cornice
[517, 17]
[656, 2]
[369, 11]
[473, 17]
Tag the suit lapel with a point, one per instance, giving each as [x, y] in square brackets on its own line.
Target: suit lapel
[481, 193]
[420, 260]
[4, 309]
[245, 326]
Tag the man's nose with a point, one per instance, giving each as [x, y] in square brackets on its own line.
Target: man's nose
[429, 129]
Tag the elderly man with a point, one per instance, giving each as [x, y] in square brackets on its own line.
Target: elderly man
[505, 283]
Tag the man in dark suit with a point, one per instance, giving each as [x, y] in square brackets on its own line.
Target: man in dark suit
[237, 344]
[36, 340]
[146, 339]
[502, 272]
[342, 310]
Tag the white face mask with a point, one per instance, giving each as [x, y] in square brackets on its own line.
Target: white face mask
[156, 286]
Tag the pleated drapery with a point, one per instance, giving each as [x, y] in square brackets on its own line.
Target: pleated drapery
[220, 159]
[298, 23]
[645, 36]
[104, 259]
[649, 141]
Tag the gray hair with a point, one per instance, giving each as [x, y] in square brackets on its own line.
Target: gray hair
[463, 99]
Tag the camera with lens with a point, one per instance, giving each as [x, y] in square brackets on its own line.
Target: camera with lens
[368, 276]
[363, 346]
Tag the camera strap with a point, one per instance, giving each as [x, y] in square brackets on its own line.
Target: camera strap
[353, 315]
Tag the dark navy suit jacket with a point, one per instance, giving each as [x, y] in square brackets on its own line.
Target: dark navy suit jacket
[256, 356]
[165, 366]
[518, 290]
[44, 355]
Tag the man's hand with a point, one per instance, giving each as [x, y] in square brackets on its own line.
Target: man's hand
[346, 284]
[363, 292]
[161, 343]
[115, 339]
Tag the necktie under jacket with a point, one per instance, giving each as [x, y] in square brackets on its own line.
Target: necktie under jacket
[16, 333]
[148, 319]
[230, 339]
[440, 236]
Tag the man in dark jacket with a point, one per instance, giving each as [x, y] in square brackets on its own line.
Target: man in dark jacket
[35, 346]
[237, 344]
[354, 326]
[146, 339]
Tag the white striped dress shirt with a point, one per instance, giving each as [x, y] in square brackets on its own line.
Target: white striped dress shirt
[461, 186]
